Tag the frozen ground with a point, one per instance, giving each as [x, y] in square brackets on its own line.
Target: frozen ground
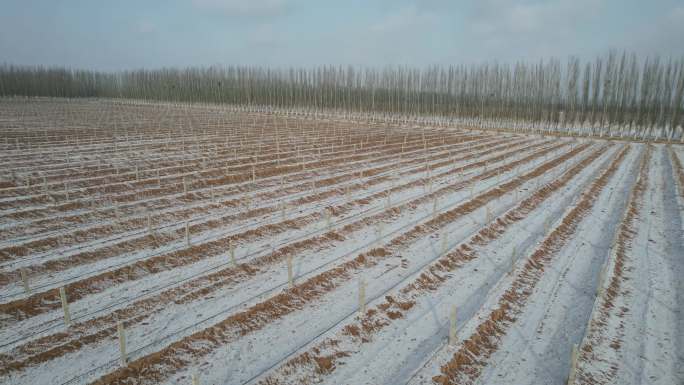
[539, 244]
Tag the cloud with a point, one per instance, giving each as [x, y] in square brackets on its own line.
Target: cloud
[242, 8]
[675, 18]
[515, 29]
[308, 32]
[265, 36]
[665, 39]
[507, 17]
[403, 19]
[145, 27]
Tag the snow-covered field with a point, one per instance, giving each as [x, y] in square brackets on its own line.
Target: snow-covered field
[233, 247]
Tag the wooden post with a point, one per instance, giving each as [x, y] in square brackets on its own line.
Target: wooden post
[434, 208]
[290, 275]
[444, 243]
[602, 277]
[187, 235]
[513, 257]
[195, 379]
[378, 234]
[149, 223]
[328, 218]
[231, 249]
[65, 306]
[452, 326]
[185, 186]
[24, 280]
[362, 296]
[573, 365]
[122, 343]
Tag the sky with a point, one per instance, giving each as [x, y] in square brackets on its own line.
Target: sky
[133, 34]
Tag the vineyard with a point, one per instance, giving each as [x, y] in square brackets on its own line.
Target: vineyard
[156, 242]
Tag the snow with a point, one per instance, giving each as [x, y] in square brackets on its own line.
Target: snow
[410, 349]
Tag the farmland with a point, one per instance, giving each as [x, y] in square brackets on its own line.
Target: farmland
[156, 242]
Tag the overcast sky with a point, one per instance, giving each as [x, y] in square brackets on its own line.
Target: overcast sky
[128, 34]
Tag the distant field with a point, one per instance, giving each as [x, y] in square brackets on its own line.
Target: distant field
[235, 247]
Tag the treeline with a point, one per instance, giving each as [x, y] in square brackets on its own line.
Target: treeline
[614, 95]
